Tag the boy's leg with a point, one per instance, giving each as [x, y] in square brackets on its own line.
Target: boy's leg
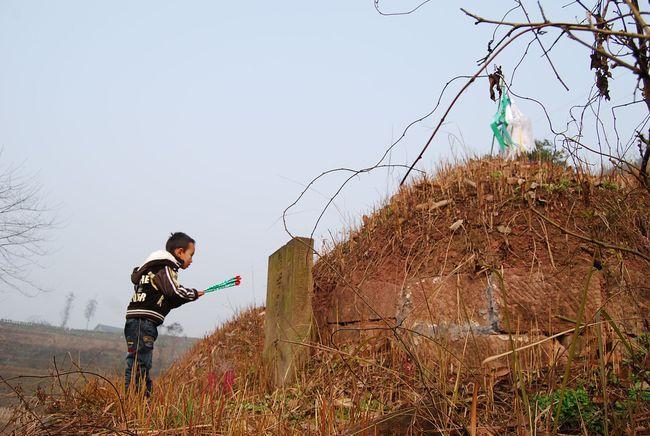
[150, 334]
[131, 336]
[140, 336]
[147, 363]
[146, 356]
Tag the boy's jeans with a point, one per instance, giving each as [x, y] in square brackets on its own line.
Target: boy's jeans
[140, 334]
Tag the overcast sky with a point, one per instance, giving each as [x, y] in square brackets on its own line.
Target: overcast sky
[143, 118]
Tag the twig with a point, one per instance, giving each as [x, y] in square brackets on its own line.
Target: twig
[541, 341]
[18, 377]
[543, 49]
[389, 14]
[178, 430]
[25, 403]
[588, 239]
[638, 17]
[559, 25]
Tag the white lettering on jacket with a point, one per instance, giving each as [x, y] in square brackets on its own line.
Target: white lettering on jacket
[139, 297]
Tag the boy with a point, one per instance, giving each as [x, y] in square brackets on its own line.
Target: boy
[156, 293]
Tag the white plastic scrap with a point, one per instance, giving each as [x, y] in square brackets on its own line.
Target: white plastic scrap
[521, 132]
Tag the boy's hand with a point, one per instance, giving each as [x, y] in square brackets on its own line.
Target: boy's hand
[200, 294]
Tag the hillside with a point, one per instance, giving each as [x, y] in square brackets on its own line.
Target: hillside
[493, 297]
[492, 248]
[30, 349]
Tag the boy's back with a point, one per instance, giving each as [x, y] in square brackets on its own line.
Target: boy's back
[156, 288]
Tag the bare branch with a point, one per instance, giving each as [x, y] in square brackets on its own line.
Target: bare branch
[388, 14]
[24, 221]
[542, 45]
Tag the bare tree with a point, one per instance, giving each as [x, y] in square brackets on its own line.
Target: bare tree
[24, 220]
[91, 307]
[65, 313]
[175, 329]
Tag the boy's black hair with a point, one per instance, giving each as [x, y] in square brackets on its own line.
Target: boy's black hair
[178, 240]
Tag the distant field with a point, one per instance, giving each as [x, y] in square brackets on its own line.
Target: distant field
[30, 349]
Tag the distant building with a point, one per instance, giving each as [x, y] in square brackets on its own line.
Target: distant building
[107, 328]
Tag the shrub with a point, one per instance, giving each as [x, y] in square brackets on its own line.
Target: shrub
[576, 408]
[545, 151]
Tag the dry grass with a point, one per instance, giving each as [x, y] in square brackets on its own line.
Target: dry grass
[410, 234]
[389, 382]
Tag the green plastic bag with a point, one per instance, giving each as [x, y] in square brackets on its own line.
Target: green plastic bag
[500, 125]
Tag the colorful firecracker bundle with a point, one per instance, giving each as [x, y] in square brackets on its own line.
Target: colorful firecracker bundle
[235, 281]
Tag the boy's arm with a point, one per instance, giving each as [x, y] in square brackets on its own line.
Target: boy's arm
[166, 280]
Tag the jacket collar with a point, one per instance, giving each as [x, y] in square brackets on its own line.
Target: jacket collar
[161, 255]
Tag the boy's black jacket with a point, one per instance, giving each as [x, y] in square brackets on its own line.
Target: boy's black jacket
[156, 288]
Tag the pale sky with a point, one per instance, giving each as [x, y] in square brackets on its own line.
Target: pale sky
[143, 118]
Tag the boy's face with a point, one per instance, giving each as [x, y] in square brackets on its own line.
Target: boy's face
[185, 255]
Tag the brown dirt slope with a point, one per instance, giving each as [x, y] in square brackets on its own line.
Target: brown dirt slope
[430, 261]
